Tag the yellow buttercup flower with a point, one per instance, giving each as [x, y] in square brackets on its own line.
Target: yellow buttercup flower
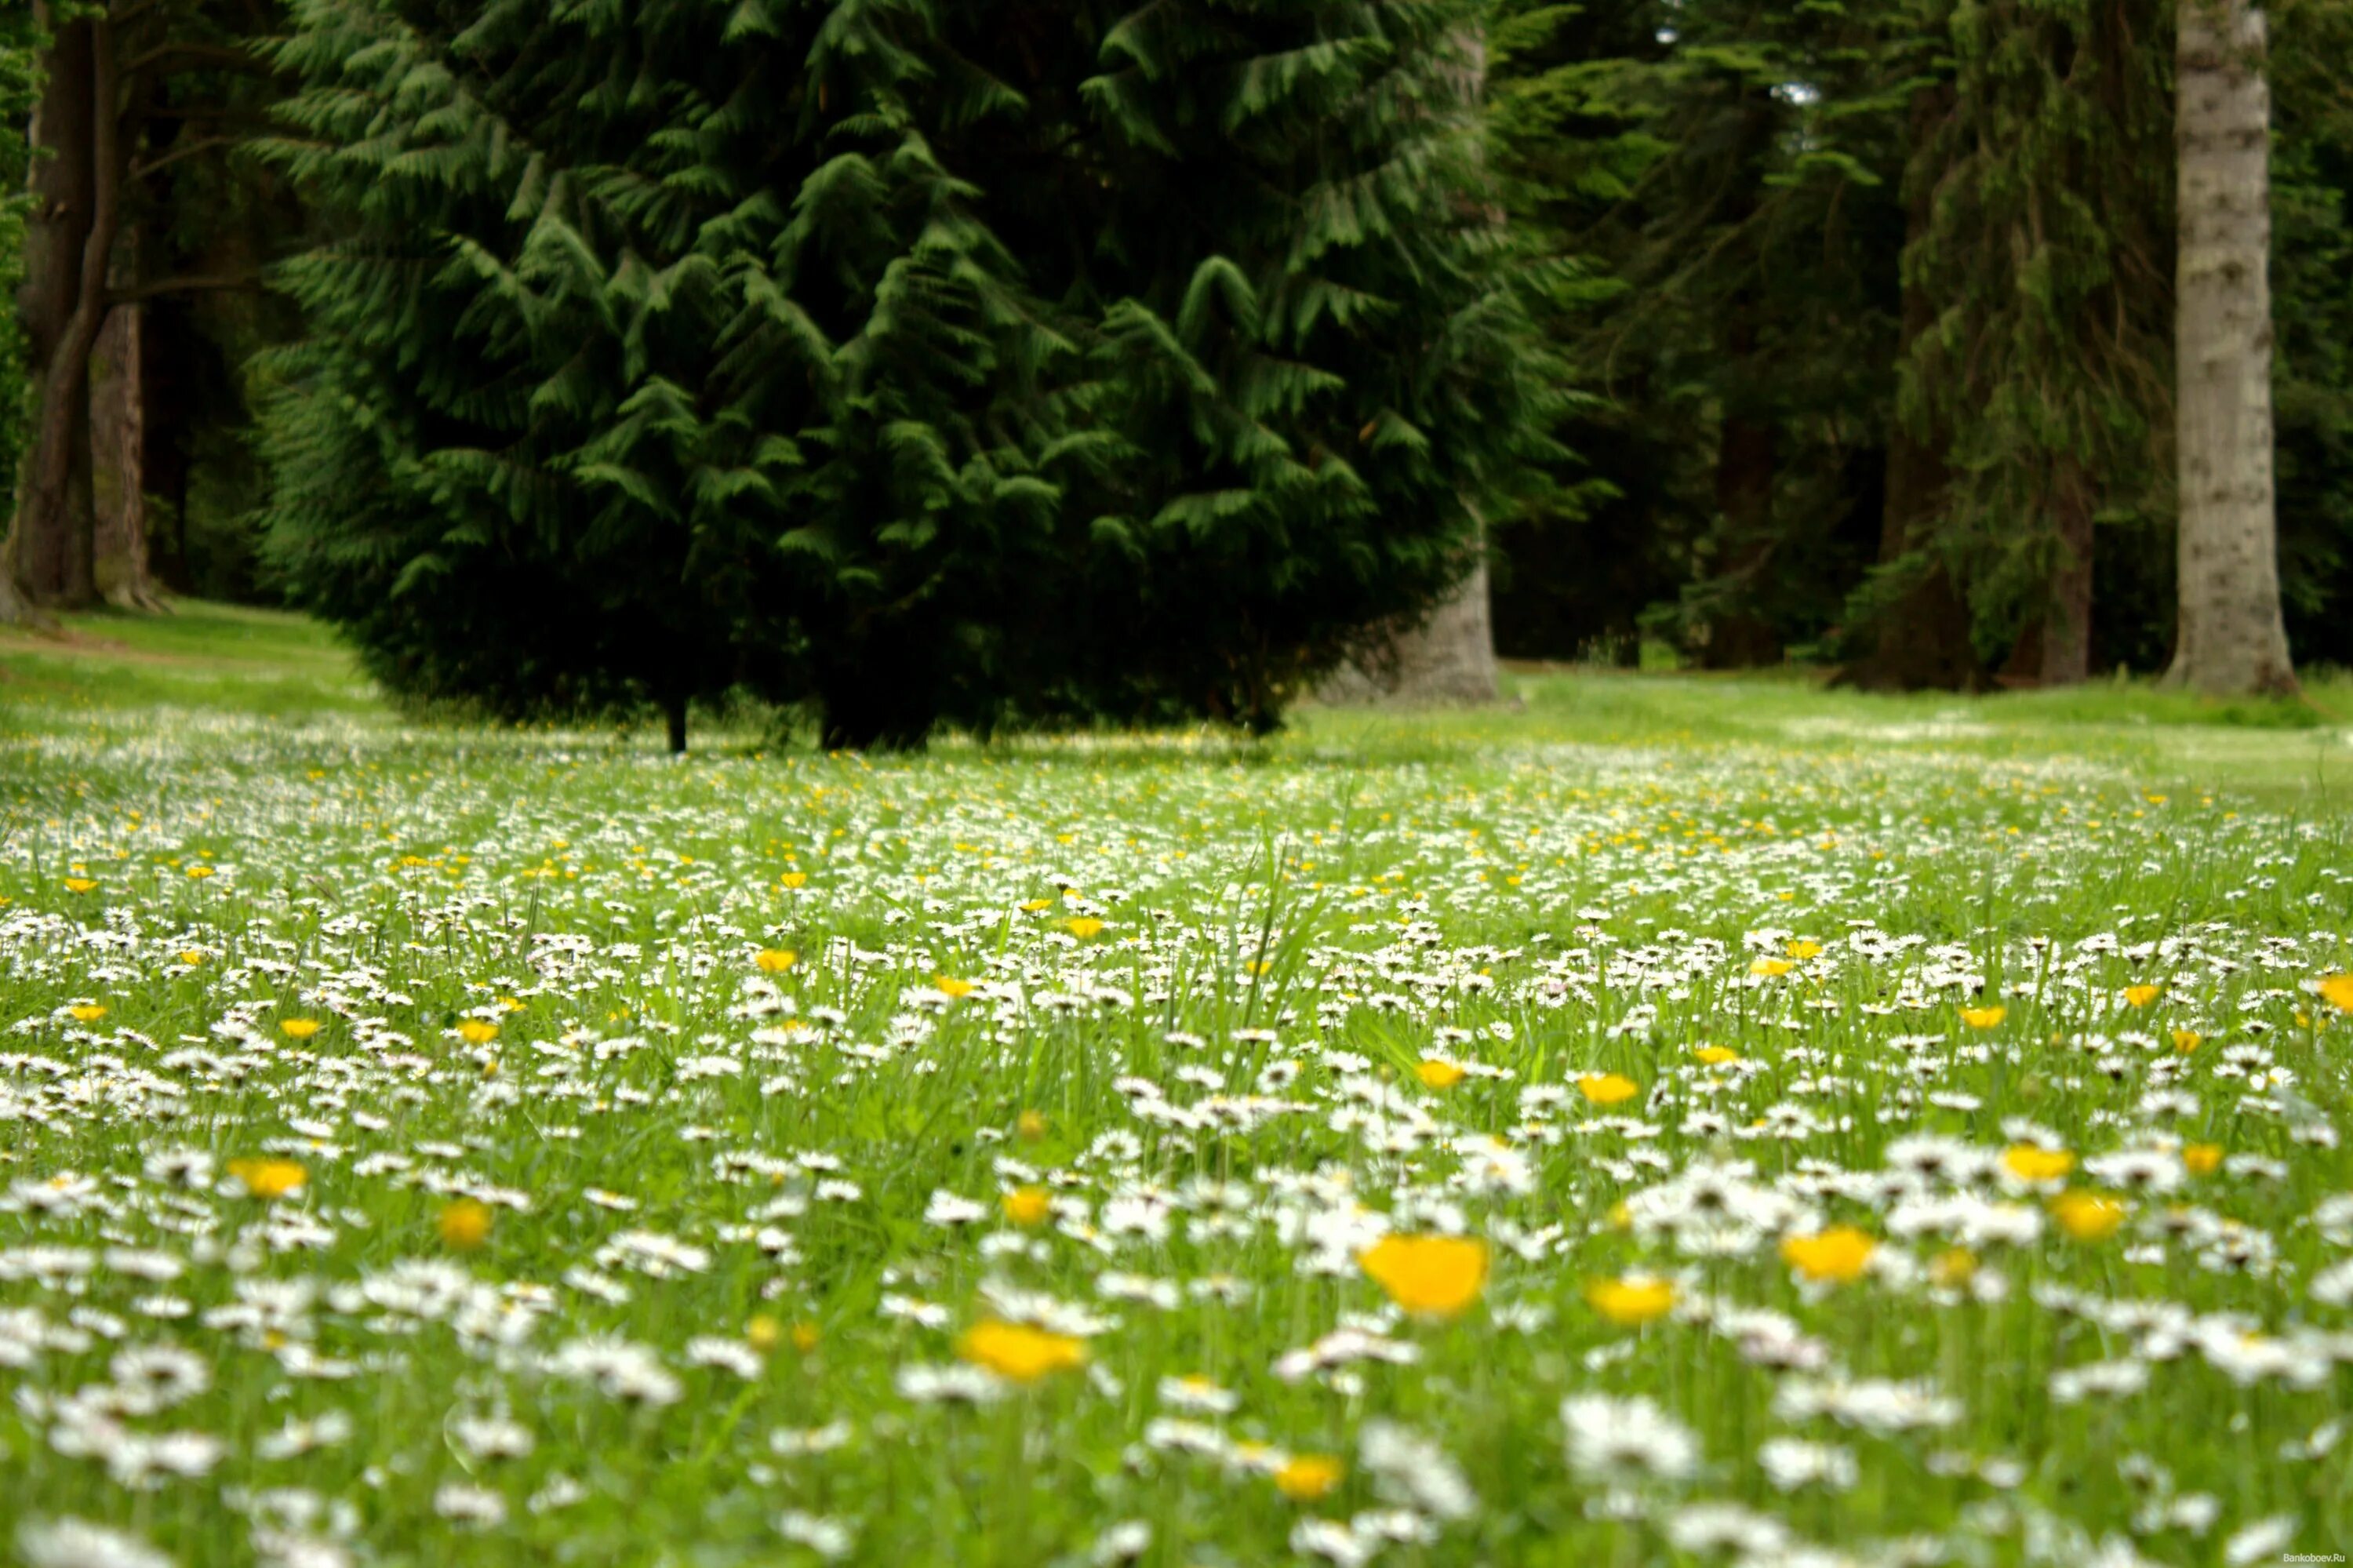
[1027, 1205]
[764, 1333]
[477, 1031]
[2186, 1041]
[1984, 1017]
[86, 1013]
[297, 1028]
[2032, 1162]
[795, 879]
[2142, 995]
[1309, 1478]
[1632, 1300]
[1437, 1075]
[1018, 1352]
[464, 1225]
[776, 960]
[1430, 1276]
[79, 884]
[1839, 1253]
[2088, 1216]
[2201, 1158]
[2336, 990]
[1083, 926]
[1718, 1055]
[1803, 949]
[1607, 1088]
[952, 986]
[1032, 1126]
[269, 1179]
[1771, 966]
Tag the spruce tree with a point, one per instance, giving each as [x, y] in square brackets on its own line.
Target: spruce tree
[1720, 175]
[997, 362]
[2048, 258]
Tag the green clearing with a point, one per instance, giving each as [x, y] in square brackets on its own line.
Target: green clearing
[2299, 757]
[1682, 1120]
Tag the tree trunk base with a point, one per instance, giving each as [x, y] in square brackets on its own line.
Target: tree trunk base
[1450, 661]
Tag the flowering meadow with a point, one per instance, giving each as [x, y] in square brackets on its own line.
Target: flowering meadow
[431, 1147]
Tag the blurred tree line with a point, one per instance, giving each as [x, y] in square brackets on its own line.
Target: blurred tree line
[1876, 304]
[1834, 331]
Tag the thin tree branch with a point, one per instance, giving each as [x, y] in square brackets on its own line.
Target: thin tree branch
[181, 150]
[168, 57]
[191, 283]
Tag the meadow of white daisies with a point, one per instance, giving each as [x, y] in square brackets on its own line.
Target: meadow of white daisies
[427, 1147]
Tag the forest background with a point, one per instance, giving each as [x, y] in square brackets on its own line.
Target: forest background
[1846, 330]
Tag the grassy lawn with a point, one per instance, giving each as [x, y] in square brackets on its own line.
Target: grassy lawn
[1679, 1120]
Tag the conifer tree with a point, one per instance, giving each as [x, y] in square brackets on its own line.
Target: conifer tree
[2048, 257]
[1002, 361]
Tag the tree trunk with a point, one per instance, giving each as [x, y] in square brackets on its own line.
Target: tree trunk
[63, 190]
[2231, 637]
[1746, 459]
[118, 428]
[1447, 660]
[2066, 636]
[674, 718]
[1922, 638]
[69, 247]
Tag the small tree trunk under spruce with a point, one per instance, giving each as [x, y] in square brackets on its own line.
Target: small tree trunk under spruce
[1745, 463]
[1448, 661]
[1922, 638]
[674, 718]
[2232, 638]
[2066, 641]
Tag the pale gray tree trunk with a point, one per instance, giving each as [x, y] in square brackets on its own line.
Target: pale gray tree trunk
[1450, 659]
[1447, 660]
[2232, 638]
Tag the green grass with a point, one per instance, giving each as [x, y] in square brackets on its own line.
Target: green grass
[201, 655]
[603, 1233]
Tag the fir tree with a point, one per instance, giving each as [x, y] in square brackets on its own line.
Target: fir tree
[2046, 259]
[994, 361]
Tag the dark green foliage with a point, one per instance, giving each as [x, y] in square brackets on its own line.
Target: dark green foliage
[1725, 173]
[989, 362]
[1781, 458]
[2050, 258]
[18, 88]
[2312, 303]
